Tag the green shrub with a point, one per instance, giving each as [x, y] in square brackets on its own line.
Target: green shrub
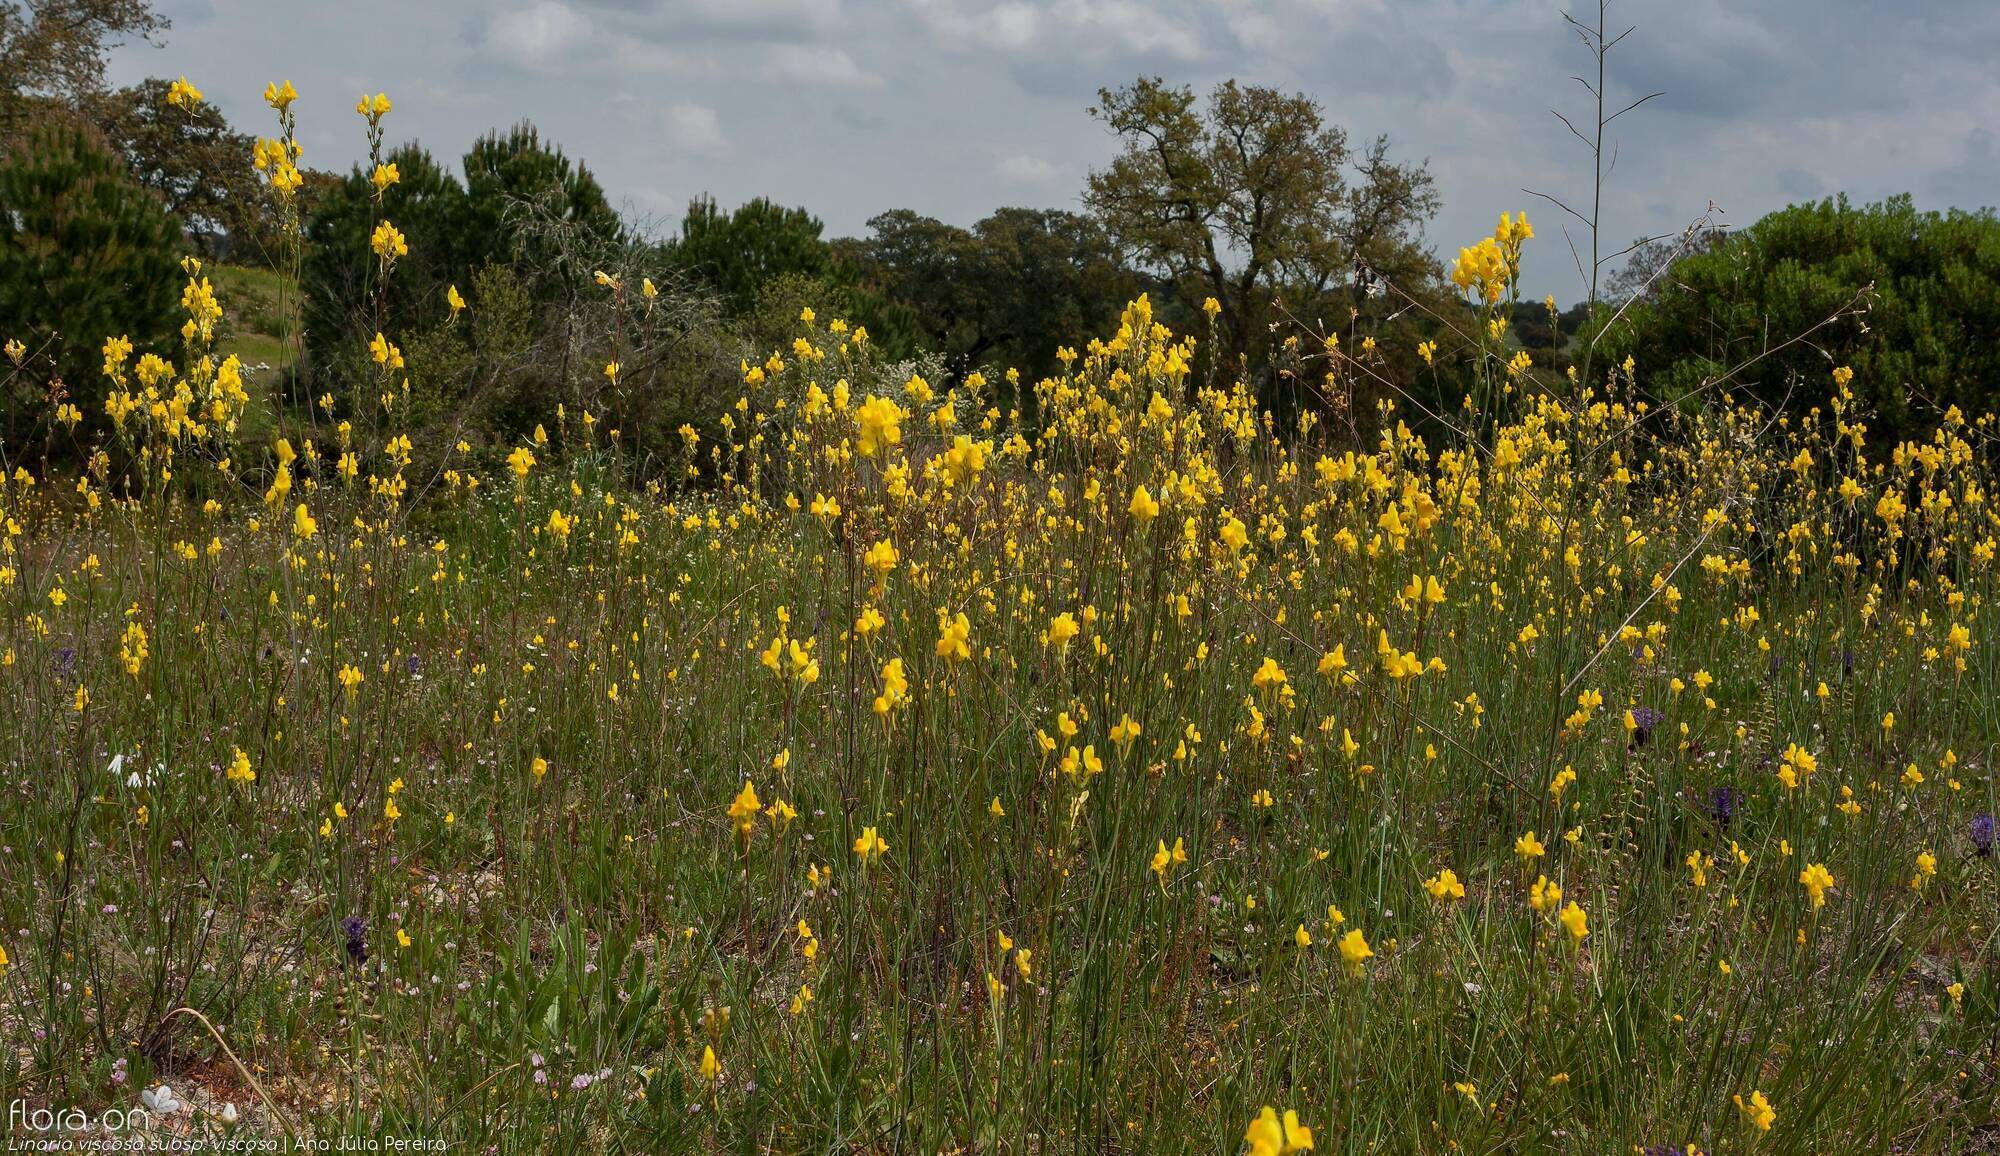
[1926, 337]
[85, 254]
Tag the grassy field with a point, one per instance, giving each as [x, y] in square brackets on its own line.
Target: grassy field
[1580, 777]
[260, 308]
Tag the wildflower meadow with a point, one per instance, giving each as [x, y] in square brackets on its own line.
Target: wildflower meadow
[1447, 748]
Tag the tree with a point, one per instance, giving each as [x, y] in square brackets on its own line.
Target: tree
[53, 50]
[1009, 291]
[198, 165]
[85, 255]
[1249, 197]
[1928, 338]
[345, 302]
[503, 173]
[739, 253]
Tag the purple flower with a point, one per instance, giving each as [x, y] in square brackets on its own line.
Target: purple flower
[1982, 834]
[1722, 805]
[66, 662]
[413, 664]
[1644, 719]
[356, 930]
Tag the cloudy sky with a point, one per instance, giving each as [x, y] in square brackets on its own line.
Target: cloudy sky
[955, 107]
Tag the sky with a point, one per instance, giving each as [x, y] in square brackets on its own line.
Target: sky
[956, 107]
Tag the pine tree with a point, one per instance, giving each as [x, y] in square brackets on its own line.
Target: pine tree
[85, 255]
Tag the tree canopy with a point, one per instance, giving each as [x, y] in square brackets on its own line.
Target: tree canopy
[54, 49]
[454, 230]
[739, 253]
[1252, 195]
[1003, 292]
[200, 167]
[1927, 335]
[85, 255]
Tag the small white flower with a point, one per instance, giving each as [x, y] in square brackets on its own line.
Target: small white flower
[160, 1100]
[229, 1113]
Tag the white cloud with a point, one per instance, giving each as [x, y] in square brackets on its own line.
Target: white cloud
[833, 67]
[1136, 27]
[695, 128]
[537, 37]
[1010, 27]
[801, 15]
[1069, 29]
[1027, 170]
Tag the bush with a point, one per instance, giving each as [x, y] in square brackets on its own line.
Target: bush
[1925, 338]
[85, 254]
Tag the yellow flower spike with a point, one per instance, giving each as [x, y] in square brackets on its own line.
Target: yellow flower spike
[743, 811]
[1355, 952]
[1142, 507]
[183, 95]
[1444, 886]
[1757, 1110]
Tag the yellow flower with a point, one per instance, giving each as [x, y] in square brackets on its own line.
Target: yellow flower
[1164, 860]
[870, 846]
[280, 96]
[303, 524]
[181, 94]
[1355, 952]
[403, 939]
[1575, 921]
[1758, 1110]
[1268, 1135]
[1444, 886]
[1143, 508]
[1529, 848]
[711, 1068]
[877, 425]
[1061, 629]
[743, 811]
[954, 636]
[388, 242]
[1544, 896]
[239, 768]
[1816, 879]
